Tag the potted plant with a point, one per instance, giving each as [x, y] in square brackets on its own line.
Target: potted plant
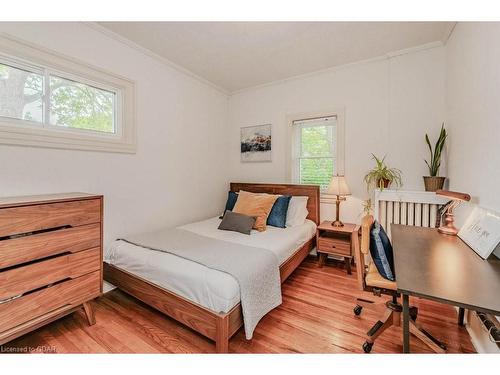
[381, 176]
[435, 182]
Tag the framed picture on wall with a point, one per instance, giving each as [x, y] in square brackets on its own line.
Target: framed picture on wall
[481, 231]
[255, 143]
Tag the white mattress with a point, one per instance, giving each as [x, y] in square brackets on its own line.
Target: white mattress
[210, 288]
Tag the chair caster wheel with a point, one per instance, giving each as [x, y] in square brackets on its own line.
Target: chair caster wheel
[357, 310]
[367, 347]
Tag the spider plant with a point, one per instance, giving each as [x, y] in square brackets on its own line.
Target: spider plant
[381, 176]
[435, 161]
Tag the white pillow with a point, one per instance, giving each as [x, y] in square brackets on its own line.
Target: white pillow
[297, 211]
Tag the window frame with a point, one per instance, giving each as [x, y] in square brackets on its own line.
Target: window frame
[293, 154]
[22, 55]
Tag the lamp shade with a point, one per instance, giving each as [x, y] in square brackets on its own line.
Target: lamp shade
[338, 186]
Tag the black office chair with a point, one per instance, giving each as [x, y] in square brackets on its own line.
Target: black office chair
[371, 280]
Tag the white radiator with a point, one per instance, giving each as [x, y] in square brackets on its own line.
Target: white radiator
[417, 208]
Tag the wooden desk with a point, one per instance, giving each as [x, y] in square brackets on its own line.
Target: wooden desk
[442, 268]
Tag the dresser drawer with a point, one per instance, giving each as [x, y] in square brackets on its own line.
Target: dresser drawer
[36, 275]
[66, 294]
[17, 220]
[27, 248]
[334, 246]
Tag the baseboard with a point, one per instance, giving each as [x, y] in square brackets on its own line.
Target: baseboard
[479, 337]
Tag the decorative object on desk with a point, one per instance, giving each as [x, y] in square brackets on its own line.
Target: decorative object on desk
[481, 231]
[435, 182]
[338, 186]
[455, 199]
[255, 143]
[381, 176]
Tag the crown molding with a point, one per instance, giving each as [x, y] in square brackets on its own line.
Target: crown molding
[111, 34]
[386, 56]
[448, 32]
[119, 38]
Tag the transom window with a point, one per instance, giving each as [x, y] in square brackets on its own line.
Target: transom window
[42, 98]
[49, 100]
[315, 149]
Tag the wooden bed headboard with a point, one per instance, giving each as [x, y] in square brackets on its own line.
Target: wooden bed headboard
[311, 191]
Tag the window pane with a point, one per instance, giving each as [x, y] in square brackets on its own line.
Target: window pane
[317, 171]
[316, 141]
[21, 94]
[76, 105]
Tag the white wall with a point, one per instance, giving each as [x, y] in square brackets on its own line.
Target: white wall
[389, 106]
[177, 174]
[473, 112]
[186, 155]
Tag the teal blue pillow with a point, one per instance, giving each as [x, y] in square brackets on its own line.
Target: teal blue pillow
[381, 251]
[232, 197]
[277, 216]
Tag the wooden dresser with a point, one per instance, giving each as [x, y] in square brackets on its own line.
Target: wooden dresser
[50, 259]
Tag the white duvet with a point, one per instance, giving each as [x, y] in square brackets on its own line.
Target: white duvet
[212, 289]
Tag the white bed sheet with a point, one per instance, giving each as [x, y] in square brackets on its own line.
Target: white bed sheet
[210, 288]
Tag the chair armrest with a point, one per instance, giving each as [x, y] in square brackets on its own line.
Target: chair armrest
[366, 224]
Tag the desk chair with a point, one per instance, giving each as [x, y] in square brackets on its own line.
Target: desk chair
[369, 279]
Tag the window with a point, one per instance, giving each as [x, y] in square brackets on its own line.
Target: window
[21, 93]
[315, 150]
[76, 105]
[49, 100]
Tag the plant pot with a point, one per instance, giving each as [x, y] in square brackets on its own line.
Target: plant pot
[385, 183]
[433, 183]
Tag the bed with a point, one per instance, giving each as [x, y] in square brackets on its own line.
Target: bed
[204, 299]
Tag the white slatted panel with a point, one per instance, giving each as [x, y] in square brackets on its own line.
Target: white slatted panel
[383, 214]
[411, 214]
[432, 215]
[390, 213]
[396, 213]
[404, 215]
[416, 208]
[425, 215]
[418, 215]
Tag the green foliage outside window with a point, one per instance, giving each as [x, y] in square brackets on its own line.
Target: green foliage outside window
[72, 104]
[80, 106]
[316, 157]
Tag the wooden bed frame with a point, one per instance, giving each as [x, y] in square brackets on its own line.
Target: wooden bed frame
[219, 327]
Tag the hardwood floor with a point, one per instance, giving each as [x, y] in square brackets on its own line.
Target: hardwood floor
[315, 317]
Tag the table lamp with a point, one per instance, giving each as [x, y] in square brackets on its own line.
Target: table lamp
[338, 187]
[456, 198]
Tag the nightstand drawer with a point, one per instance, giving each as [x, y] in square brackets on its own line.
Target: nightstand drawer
[334, 246]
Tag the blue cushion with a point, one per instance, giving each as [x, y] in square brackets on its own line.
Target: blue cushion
[232, 197]
[381, 252]
[277, 216]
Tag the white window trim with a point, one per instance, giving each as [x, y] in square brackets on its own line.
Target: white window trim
[290, 165]
[26, 133]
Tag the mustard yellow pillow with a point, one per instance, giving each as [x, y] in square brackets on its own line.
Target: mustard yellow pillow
[257, 205]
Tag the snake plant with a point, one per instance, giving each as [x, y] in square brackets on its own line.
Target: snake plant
[435, 160]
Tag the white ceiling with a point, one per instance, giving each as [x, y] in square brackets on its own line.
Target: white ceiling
[238, 55]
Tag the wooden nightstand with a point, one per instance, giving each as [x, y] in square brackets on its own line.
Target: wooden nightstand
[339, 241]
